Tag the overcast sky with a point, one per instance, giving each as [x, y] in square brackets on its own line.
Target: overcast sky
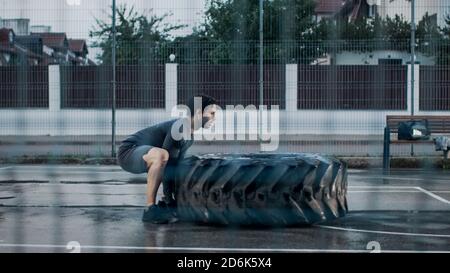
[76, 17]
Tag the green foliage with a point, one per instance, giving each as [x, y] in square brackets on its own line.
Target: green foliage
[368, 34]
[229, 20]
[230, 34]
[443, 47]
[140, 39]
[231, 31]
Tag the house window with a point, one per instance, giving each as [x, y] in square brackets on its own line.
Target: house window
[389, 61]
[11, 37]
[372, 11]
[7, 57]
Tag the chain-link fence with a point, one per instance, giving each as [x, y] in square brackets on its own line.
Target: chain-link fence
[336, 72]
[72, 87]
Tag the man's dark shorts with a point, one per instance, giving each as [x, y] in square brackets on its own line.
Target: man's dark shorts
[130, 158]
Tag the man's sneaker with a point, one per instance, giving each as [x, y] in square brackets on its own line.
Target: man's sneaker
[170, 204]
[156, 215]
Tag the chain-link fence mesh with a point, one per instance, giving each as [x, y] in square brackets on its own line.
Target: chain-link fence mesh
[336, 69]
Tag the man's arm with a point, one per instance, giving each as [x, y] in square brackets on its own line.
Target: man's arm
[184, 149]
[172, 147]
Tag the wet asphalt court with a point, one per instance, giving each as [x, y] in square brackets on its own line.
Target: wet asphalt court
[64, 208]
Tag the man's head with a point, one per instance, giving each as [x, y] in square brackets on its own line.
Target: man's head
[203, 110]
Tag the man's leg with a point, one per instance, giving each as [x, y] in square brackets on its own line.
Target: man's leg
[156, 160]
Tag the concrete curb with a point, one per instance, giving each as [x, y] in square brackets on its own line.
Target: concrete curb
[353, 162]
[398, 162]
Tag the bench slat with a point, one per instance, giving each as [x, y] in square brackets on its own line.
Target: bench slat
[436, 124]
[411, 141]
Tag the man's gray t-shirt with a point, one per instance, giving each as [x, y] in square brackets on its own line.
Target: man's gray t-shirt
[159, 136]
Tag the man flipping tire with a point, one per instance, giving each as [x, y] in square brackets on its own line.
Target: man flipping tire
[154, 149]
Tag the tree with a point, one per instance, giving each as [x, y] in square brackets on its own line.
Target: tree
[446, 29]
[368, 34]
[354, 36]
[443, 48]
[140, 39]
[231, 31]
[428, 35]
[239, 20]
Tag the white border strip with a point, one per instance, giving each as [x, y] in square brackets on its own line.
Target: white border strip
[206, 249]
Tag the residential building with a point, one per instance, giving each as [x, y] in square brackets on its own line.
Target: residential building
[327, 8]
[80, 51]
[40, 28]
[20, 26]
[55, 47]
[13, 53]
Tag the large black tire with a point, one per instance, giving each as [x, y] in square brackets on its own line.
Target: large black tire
[261, 189]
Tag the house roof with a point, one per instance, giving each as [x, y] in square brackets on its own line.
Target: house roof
[16, 50]
[32, 42]
[26, 52]
[353, 9]
[356, 10]
[4, 36]
[53, 39]
[28, 39]
[7, 49]
[78, 46]
[16, 47]
[329, 6]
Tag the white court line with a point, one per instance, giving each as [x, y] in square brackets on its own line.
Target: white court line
[382, 187]
[4, 168]
[393, 178]
[385, 191]
[386, 232]
[435, 196]
[203, 249]
[429, 193]
[404, 178]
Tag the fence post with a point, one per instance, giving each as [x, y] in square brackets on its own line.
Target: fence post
[386, 149]
[291, 87]
[171, 84]
[114, 84]
[413, 61]
[416, 88]
[54, 88]
[413, 88]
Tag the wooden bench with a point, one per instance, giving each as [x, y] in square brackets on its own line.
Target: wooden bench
[436, 124]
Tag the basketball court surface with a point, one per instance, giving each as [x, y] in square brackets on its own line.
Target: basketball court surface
[61, 208]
